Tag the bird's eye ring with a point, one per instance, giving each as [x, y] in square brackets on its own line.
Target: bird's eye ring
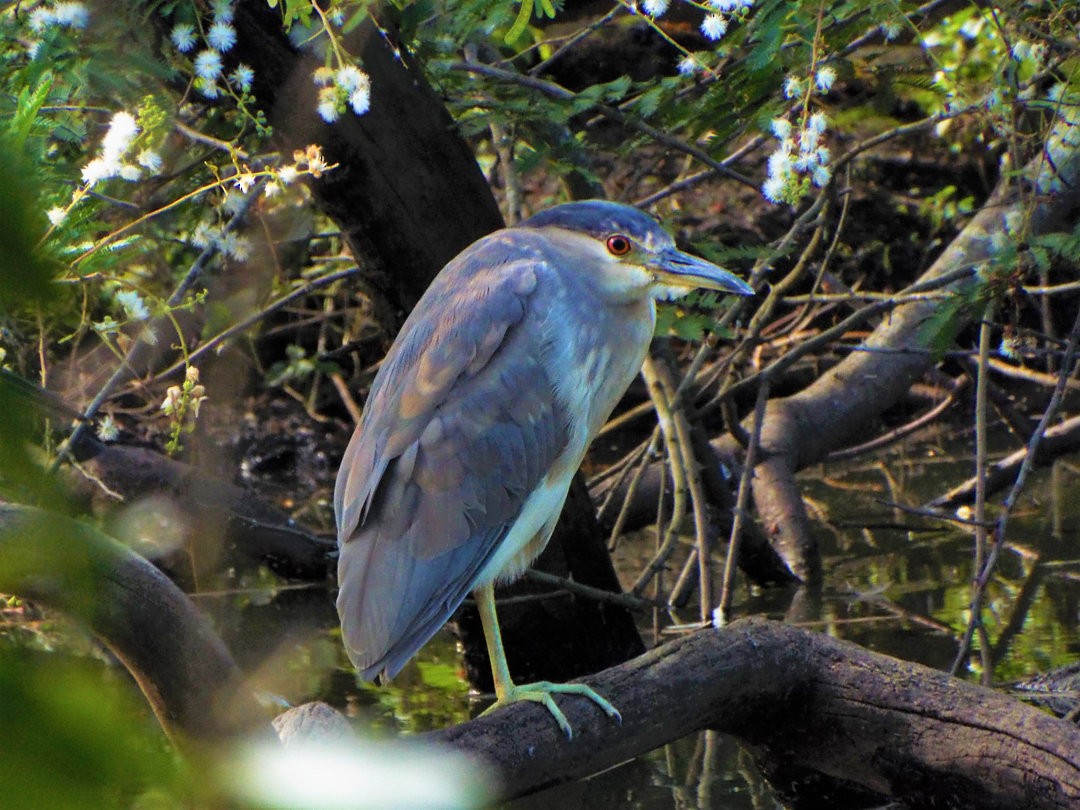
[618, 245]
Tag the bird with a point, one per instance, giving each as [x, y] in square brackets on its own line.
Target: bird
[479, 417]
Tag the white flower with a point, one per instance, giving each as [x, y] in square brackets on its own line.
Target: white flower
[781, 128]
[183, 37]
[41, 18]
[149, 160]
[792, 87]
[890, 30]
[1021, 50]
[322, 76]
[774, 189]
[244, 182]
[205, 235]
[655, 8]
[328, 111]
[316, 163]
[817, 123]
[107, 430]
[208, 65]
[820, 176]
[823, 154]
[235, 246]
[779, 162]
[328, 104]
[243, 76]
[133, 305]
[73, 15]
[221, 36]
[173, 397]
[288, 174]
[271, 189]
[130, 173]
[122, 131]
[360, 100]
[209, 89]
[349, 78]
[805, 161]
[723, 5]
[714, 26]
[240, 248]
[222, 11]
[825, 78]
[97, 170]
[688, 65]
[56, 215]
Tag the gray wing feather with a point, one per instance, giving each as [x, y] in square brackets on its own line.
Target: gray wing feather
[461, 424]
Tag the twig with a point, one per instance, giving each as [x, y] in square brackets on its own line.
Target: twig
[998, 534]
[139, 345]
[557, 91]
[255, 317]
[742, 502]
[678, 475]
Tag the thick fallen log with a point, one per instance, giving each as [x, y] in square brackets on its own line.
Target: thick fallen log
[800, 699]
[897, 728]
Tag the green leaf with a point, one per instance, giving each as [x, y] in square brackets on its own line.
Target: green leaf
[520, 24]
[26, 113]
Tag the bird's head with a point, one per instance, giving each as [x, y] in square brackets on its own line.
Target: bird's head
[630, 251]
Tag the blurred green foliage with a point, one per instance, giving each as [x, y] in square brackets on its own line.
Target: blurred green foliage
[76, 736]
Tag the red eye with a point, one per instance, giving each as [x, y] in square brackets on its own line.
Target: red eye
[618, 245]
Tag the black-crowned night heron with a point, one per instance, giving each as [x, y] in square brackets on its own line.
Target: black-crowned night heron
[480, 416]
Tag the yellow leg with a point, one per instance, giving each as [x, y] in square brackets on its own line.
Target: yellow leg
[506, 692]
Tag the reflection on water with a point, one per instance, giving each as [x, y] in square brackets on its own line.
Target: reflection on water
[896, 584]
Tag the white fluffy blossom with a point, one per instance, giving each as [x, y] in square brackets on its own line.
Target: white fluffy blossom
[360, 100]
[133, 305]
[183, 37]
[208, 64]
[714, 26]
[63, 15]
[350, 78]
[221, 36]
[149, 160]
[118, 138]
[222, 11]
[122, 131]
[655, 8]
[243, 76]
[773, 189]
[824, 79]
[328, 104]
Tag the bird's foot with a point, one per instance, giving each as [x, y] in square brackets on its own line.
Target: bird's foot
[541, 692]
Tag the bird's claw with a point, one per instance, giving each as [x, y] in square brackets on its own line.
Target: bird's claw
[541, 692]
